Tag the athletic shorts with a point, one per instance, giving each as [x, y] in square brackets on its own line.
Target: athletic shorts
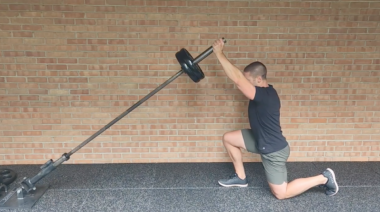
[274, 163]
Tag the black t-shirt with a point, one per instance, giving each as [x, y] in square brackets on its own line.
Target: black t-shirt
[264, 118]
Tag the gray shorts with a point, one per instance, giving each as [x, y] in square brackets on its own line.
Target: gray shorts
[274, 163]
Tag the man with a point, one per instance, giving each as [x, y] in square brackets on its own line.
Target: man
[265, 136]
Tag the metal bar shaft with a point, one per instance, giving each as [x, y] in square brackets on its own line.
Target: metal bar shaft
[125, 113]
[202, 56]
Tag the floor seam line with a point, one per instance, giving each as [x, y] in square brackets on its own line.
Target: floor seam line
[193, 188]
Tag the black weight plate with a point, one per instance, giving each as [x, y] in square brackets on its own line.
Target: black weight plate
[186, 61]
[7, 176]
[4, 171]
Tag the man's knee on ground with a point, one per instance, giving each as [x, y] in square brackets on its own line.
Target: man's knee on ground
[279, 195]
[279, 191]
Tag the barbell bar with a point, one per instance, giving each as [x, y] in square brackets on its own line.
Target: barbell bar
[188, 65]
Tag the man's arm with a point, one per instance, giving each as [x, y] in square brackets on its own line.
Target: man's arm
[233, 72]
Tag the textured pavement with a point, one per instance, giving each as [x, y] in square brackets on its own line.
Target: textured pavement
[193, 187]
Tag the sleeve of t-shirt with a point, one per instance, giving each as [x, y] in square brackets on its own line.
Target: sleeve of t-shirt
[259, 94]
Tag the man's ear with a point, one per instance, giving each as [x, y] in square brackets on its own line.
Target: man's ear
[259, 79]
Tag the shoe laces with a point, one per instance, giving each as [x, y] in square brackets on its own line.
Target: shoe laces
[233, 176]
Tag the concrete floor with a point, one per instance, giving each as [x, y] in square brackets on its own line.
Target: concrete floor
[193, 187]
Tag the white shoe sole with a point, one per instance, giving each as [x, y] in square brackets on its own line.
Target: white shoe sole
[337, 187]
[235, 185]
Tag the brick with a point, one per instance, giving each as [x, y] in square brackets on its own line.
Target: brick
[13, 54]
[63, 8]
[33, 27]
[21, 20]
[115, 2]
[76, 41]
[85, 22]
[75, 2]
[57, 67]
[67, 60]
[97, 41]
[22, 34]
[95, 2]
[64, 21]
[105, 9]
[19, 7]
[74, 15]
[47, 60]
[356, 5]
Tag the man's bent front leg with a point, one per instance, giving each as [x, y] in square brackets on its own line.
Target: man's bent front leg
[233, 141]
[236, 157]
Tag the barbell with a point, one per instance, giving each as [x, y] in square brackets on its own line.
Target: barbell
[188, 65]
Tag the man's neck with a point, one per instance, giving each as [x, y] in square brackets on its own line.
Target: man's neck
[263, 84]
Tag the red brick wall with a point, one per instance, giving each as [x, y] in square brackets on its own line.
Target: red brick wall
[68, 67]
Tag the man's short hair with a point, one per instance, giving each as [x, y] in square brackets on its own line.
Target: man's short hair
[257, 69]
